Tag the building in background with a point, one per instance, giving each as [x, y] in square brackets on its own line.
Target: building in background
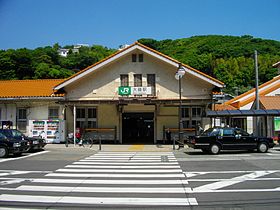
[130, 97]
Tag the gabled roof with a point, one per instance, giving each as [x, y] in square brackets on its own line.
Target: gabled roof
[144, 49]
[249, 96]
[28, 88]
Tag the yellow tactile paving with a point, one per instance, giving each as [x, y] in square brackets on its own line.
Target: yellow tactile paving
[136, 147]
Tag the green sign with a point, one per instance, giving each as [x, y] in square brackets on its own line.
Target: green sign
[277, 123]
[124, 91]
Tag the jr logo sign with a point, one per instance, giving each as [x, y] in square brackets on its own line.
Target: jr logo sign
[124, 91]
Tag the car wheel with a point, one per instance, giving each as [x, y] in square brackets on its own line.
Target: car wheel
[215, 149]
[262, 147]
[3, 152]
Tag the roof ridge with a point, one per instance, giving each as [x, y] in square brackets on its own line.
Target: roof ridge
[30, 80]
[253, 90]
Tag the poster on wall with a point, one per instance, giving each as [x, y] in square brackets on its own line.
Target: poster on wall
[277, 123]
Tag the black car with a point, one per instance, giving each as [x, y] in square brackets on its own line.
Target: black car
[34, 143]
[12, 146]
[216, 139]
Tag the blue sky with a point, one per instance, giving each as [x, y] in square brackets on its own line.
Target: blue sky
[37, 23]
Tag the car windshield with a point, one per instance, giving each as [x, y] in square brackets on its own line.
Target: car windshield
[17, 133]
[211, 132]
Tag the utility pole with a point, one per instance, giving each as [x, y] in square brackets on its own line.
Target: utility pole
[257, 92]
[257, 80]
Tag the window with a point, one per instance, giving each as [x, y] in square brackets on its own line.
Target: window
[140, 58]
[134, 58]
[53, 113]
[86, 117]
[124, 80]
[151, 82]
[22, 119]
[185, 112]
[137, 80]
[196, 112]
[228, 132]
[191, 116]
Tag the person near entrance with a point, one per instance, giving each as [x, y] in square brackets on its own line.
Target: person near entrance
[168, 135]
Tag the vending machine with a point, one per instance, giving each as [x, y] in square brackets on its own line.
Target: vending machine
[51, 130]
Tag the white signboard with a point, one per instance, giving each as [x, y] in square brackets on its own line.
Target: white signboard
[141, 90]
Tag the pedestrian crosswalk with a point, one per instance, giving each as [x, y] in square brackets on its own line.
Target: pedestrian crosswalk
[110, 178]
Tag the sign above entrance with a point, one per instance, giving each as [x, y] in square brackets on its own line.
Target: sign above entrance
[124, 91]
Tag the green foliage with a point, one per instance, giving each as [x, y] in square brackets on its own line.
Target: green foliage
[227, 58]
[45, 62]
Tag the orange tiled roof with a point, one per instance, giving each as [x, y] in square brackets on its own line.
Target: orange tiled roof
[270, 102]
[28, 88]
[262, 92]
[220, 107]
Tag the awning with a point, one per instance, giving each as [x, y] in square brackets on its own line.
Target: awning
[232, 113]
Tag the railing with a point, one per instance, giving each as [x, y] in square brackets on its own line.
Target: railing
[104, 134]
[175, 133]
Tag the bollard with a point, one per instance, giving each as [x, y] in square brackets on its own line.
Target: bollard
[99, 143]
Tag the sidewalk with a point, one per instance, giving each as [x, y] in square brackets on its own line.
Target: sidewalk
[119, 147]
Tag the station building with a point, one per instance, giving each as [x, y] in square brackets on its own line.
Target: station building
[130, 97]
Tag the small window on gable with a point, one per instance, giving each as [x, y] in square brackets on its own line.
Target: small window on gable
[134, 58]
[140, 57]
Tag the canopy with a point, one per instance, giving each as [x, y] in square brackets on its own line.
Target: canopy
[231, 113]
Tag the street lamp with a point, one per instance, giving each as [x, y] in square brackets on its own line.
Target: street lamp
[178, 76]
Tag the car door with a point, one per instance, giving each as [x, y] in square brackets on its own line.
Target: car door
[246, 140]
[227, 138]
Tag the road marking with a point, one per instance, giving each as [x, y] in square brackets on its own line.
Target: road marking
[195, 173]
[229, 182]
[133, 153]
[125, 161]
[22, 157]
[121, 166]
[88, 162]
[101, 200]
[120, 171]
[176, 190]
[102, 181]
[15, 172]
[126, 158]
[118, 175]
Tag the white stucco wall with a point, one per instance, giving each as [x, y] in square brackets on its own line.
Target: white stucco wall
[104, 82]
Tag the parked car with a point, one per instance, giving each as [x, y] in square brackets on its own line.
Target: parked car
[12, 146]
[34, 143]
[216, 139]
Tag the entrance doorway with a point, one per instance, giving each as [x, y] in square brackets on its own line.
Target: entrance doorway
[138, 128]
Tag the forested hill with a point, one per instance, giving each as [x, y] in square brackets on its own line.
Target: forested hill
[227, 58]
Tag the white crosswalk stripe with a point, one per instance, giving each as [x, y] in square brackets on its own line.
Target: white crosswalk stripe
[110, 178]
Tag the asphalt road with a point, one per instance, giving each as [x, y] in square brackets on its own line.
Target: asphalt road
[83, 178]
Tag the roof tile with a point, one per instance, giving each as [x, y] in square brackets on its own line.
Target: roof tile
[28, 88]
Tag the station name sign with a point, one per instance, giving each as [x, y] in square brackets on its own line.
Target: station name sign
[126, 91]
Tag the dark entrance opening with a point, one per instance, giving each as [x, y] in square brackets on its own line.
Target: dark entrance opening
[138, 128]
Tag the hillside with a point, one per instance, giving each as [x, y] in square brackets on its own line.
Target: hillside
[227, 58]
